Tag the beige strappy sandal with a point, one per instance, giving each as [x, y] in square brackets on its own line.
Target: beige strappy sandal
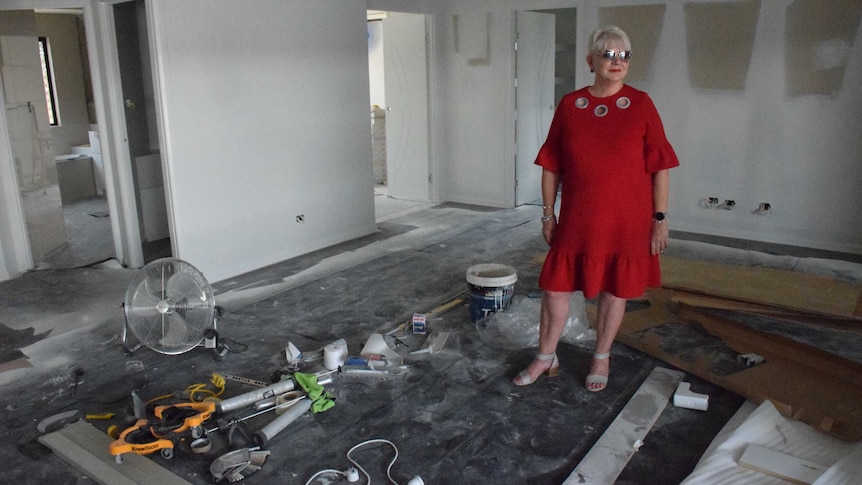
[524, 379]
[599, 382]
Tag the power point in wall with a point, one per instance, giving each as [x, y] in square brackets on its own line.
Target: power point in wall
[764, 209]
[300, 218]
[727, 205]
[709, 202]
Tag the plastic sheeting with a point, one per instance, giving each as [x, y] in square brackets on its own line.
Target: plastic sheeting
[764, 426]
[518, 327]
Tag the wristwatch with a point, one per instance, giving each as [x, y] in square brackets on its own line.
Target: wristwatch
[660, 217]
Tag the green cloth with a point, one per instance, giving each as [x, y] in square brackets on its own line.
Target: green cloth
[321, 400]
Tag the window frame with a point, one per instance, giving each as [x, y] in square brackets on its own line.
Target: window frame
[48, 80]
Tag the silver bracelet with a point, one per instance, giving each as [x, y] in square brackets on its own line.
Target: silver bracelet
[547, 218]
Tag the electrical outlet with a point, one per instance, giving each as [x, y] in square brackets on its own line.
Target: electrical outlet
[300, 218]
[728, 204]
[709, 202]
[764, 209]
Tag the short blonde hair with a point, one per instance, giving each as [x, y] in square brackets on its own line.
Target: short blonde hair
[604, 35]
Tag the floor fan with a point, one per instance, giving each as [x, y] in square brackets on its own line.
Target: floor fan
[169, 307]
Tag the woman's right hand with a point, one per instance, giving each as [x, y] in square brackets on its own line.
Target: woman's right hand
[548, 230]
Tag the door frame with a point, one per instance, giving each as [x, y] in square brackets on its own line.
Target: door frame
[523, 164]
[435, 182]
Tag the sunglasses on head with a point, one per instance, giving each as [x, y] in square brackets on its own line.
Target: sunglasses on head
[611, 54]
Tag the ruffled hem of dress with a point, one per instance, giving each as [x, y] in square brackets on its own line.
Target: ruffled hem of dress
[621, 276]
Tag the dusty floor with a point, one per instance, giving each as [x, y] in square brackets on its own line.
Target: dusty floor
[454, 416]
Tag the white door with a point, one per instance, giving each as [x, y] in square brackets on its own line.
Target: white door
[406, 84]
[534, 99]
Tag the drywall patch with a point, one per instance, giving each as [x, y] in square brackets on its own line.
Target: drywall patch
[472, 37]
[818, 44]
[720, 38]
[643, 25]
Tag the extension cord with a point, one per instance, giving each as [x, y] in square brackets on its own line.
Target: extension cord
[352, 473]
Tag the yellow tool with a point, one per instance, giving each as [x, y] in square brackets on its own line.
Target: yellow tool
[146, 437]
[99, 416]
[139, 439]
[178, 418]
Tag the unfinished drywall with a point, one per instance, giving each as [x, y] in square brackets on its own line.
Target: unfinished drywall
[720, 38]
[266, 134]
[818, 46]
[643, 24]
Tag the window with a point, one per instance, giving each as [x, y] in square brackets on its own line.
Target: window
[48, 80]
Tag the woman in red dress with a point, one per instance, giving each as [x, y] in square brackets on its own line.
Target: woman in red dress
[608, 149]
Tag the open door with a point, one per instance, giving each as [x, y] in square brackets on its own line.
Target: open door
[406, 83]
[534, 98]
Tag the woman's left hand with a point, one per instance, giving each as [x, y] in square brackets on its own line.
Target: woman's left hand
[660, 236]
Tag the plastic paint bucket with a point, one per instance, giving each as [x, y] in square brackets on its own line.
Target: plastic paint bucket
[491, 288]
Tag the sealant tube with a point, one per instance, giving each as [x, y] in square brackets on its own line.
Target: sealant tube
[249, 398]
[276, 425]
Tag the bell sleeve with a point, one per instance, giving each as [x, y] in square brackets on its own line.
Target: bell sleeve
[550, 155]
[658, 152]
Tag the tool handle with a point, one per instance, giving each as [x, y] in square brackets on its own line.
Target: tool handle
[275, 426]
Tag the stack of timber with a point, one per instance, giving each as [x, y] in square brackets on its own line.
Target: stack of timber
[686, 324]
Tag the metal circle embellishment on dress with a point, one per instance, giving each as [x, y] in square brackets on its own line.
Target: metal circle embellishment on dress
[623, 102]
[582, 103]
[601, 110]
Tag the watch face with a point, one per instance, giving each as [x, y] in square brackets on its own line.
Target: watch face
[659, 216]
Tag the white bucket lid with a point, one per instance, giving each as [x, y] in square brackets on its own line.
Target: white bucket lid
[491, 275]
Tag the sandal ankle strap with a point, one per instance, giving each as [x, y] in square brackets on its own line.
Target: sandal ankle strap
[599, 356]
[545, 356]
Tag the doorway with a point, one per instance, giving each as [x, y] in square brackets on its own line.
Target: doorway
[61, 179]
[400, 116]
[545, 60]
[57, 157]
[142, 134]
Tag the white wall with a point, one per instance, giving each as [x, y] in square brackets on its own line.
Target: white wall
[266, 109]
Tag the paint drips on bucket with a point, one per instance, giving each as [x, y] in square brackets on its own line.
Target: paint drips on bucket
[491, 288]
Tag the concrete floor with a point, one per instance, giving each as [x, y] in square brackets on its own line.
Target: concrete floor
[454, 416]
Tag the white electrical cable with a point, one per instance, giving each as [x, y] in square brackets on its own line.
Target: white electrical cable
[388, 468]
[358, 466]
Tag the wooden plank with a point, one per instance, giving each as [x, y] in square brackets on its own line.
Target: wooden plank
[849, 324]
[84, 447]
[607, 458]
[786, 289]
[781, 465]
[805, 383]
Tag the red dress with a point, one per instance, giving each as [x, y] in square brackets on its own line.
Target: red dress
[605, 151]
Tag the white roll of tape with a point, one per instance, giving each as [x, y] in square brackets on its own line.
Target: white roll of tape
[335, 354]
[201, 445]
